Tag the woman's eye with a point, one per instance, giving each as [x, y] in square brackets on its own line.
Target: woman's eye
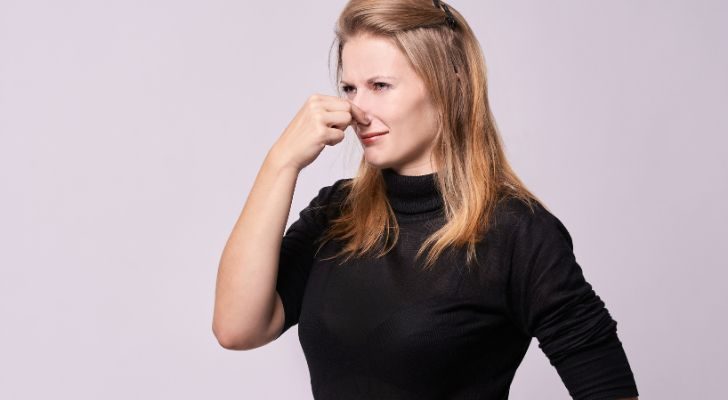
[377, 85]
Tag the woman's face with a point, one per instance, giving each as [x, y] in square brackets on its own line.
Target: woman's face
[377, 78]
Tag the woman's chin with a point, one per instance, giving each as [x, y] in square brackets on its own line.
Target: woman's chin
[375, 161]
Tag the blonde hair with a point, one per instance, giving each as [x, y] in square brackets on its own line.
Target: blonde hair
[473, 175]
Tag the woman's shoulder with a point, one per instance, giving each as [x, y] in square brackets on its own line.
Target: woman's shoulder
[528, 217]
[330, 197]
[512, 210]
[335, 192]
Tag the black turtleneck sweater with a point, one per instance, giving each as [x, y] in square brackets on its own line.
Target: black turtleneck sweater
[386, 329]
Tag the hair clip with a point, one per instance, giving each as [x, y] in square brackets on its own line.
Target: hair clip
[449, 19]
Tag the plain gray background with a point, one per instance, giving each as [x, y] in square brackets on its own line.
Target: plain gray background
[131, 132]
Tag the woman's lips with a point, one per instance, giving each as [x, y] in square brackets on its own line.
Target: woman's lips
[369, 139]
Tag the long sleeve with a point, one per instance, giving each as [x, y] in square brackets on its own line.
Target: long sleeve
[551, 300]
[298, 247]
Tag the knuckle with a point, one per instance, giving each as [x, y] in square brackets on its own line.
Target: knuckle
[314, 108]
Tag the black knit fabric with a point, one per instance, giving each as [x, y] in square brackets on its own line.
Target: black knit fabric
[384, 328]
[412, 197]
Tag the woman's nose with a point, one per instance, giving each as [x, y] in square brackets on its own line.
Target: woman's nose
[359, 117]
[364, 107]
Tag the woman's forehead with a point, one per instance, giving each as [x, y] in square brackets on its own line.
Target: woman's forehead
[366, 58]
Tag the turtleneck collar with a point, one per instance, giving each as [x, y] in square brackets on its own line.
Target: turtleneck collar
[412, 195]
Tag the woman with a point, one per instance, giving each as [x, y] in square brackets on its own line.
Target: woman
[427, 274]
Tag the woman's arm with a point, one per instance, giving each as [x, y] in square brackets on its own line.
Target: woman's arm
[245, 298]
[552, 301]
[248, 313]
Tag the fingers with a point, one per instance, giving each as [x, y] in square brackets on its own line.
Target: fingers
[332, 103]
[338, 119]
[333, 136]
[358, 115]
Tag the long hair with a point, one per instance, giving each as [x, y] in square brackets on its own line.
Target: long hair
[473, 173]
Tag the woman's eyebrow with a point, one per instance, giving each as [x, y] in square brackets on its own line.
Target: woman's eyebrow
[372, 79]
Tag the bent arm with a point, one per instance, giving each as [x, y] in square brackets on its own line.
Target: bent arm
[246, 303]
